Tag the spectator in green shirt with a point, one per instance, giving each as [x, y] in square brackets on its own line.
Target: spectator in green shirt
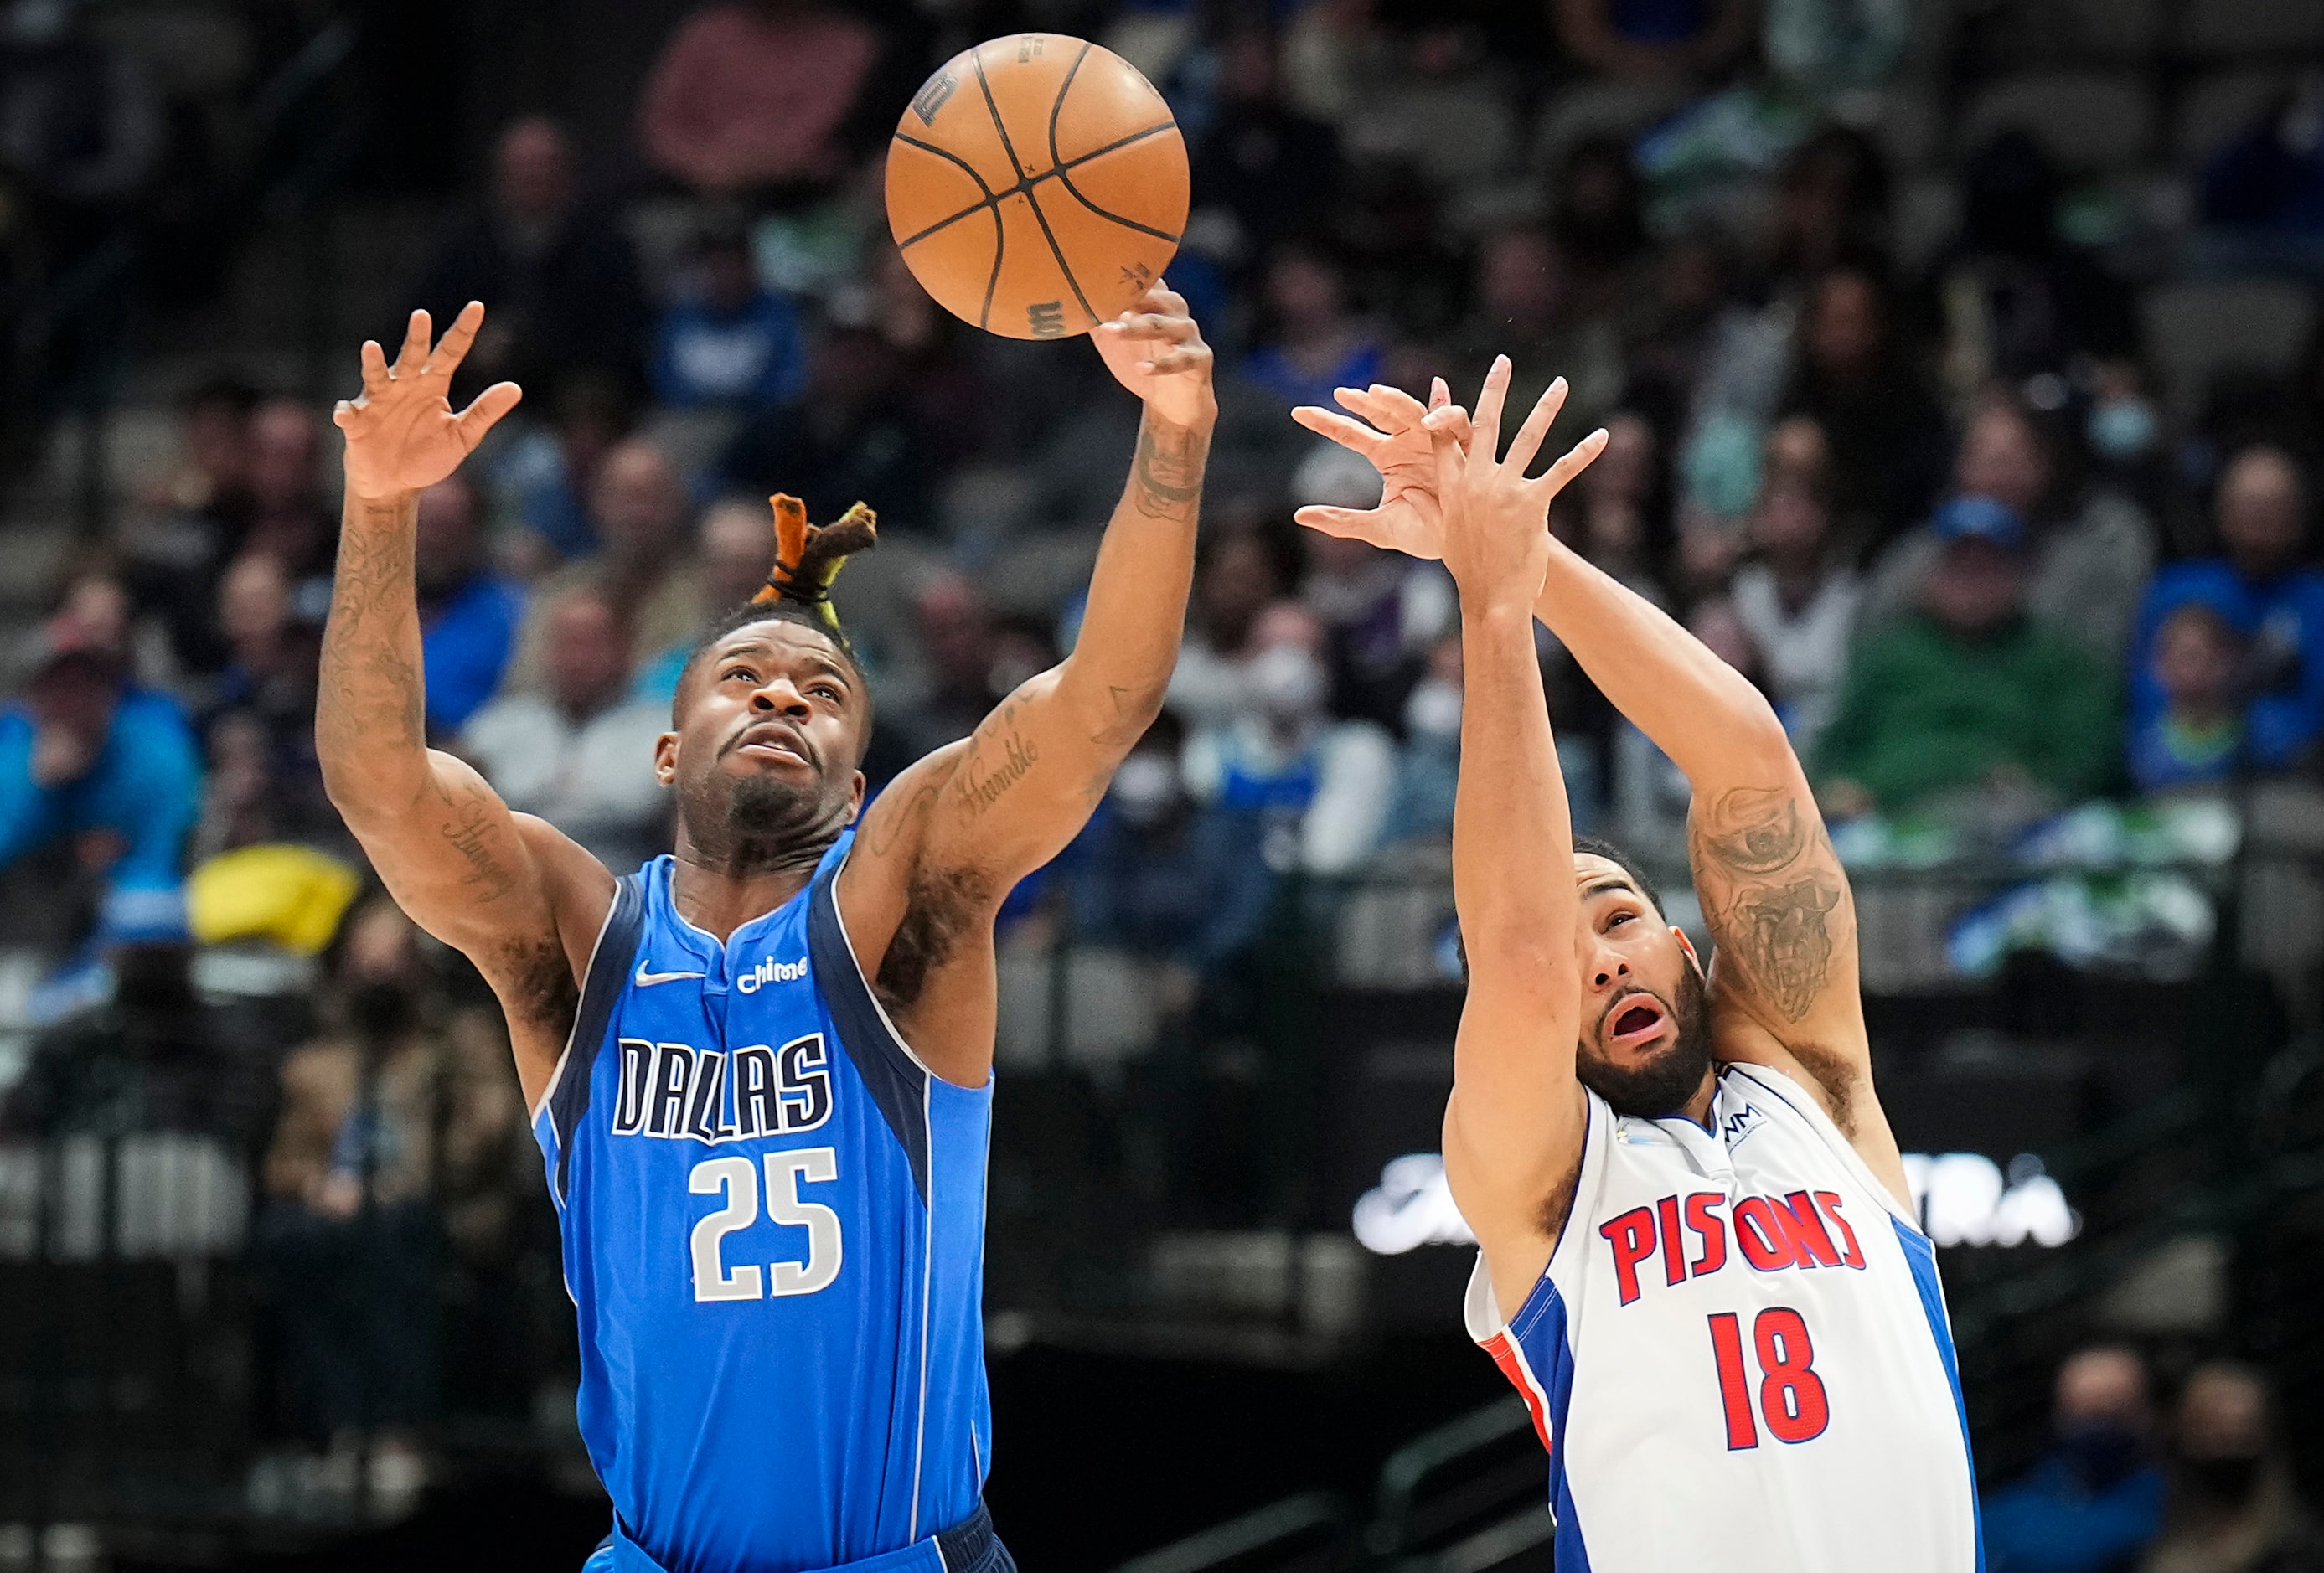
[1970, 697]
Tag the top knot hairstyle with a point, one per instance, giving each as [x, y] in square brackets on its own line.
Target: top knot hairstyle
[807, 559]
[808, 556]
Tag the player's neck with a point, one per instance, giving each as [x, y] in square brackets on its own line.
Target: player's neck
[717, 897]
[1698, 1107]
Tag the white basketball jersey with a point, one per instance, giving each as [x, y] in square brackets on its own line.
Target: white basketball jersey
[1738, 1356]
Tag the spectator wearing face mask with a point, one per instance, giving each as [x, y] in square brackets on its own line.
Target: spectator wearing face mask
[1158, 874]
[580, 753]
[388, 1118]
[2094, 1499]
[2233, 1505]
[2197, 738]
[1322, 785]
[1970, 699]
[2261, 588]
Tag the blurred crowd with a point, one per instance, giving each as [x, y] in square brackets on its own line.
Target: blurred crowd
[2130, 1487]
[1939, 486]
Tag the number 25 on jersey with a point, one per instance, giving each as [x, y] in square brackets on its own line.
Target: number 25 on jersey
[736, 1178]
[1790, 1398]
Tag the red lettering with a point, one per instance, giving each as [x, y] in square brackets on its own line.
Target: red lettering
[1765, 1242]
[1852, 1255]
[1673, 1247]
[1811, 1245]
[1706, 1223]
[1734, 1396]
[1791, 1395]
[1632, 1236]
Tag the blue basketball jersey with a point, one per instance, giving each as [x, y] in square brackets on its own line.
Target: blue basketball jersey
[773, 1220]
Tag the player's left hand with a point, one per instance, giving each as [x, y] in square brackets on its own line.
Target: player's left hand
[1157, 353]
[1408, 519]
[1496, 519]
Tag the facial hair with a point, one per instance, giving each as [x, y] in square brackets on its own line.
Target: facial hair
[757, 822]
[1661, 1086]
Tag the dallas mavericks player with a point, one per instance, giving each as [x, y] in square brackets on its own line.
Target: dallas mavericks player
[760, 1070]
[1701, 1263]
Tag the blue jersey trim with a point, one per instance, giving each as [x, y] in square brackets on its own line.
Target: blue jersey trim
[601, 992]
[897, 1082]
[1921, 1255]
[1539, 1328]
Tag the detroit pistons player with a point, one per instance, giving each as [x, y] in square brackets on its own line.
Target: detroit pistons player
[760, 1070]
[1699, 1260]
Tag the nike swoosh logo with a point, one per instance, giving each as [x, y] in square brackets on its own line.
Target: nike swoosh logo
[646, 980]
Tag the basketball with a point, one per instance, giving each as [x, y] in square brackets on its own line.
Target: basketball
[1037, 185]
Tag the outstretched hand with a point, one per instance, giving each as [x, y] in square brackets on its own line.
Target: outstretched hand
[1496, 522]
[402, 434]
[1407, 519]
[1157, 352]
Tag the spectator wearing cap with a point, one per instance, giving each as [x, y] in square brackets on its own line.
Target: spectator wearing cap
[1971, 697]
[2094, 1501]
[468, 614]
[2262, 590]
[2093, 549]
[91, 761]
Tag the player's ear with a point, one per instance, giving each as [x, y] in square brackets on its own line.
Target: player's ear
[666, 758]
[855, 797]
[1687, 945]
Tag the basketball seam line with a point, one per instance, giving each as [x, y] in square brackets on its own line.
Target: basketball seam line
[992, 199]
[1065, 176]
[1031, 201]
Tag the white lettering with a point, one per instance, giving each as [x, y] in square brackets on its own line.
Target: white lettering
[771, 971]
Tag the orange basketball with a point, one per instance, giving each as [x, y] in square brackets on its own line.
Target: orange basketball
[1037, 185]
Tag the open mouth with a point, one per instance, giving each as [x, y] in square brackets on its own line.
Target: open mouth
[1635, 1023]
[772, 742]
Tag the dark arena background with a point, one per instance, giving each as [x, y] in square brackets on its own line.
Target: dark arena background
[279, 1281]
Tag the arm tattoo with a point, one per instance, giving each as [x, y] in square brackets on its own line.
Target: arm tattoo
[1134, 709]
[470, 834]
[1768, 903]
[981, 791]
[1168, 473]
[1753, 830]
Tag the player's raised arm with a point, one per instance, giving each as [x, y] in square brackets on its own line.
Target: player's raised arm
[511, 893]
[1514, 1126]
[1773, 892]
[971, 820]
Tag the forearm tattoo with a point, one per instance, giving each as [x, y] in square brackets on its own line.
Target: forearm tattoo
[1166, 480]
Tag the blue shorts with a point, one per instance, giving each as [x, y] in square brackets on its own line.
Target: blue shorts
[970, 1546]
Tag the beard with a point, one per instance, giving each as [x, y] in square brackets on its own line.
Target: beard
[1659, 1087]
[758, 822]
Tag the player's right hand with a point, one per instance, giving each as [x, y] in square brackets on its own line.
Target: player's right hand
[1408, 519]
[1496, 520]
[402, 433]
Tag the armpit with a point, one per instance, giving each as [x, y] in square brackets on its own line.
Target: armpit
[940, 907]
[536, 986]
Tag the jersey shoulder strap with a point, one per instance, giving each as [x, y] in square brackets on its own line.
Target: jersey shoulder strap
[894, 1075]
[600, 990]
